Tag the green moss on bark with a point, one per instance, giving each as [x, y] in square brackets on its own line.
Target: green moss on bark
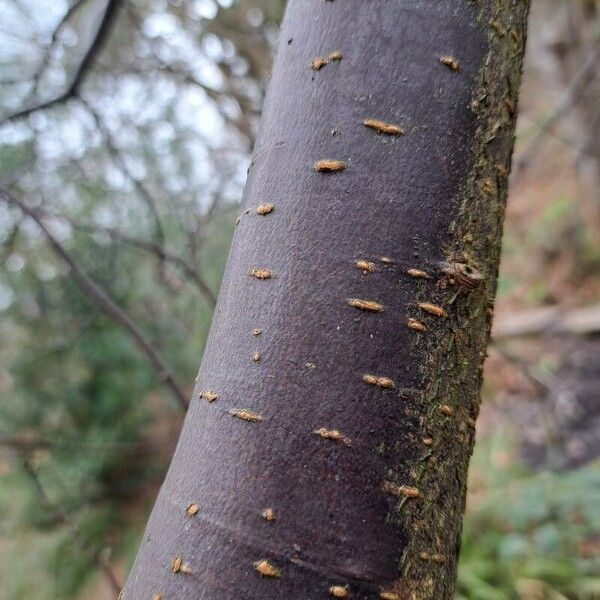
[452, 373]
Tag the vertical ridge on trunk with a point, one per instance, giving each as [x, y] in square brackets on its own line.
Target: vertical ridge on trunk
[349, 417]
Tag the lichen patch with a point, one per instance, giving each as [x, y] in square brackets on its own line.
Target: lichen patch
[329, 166]
[366, 305]
[432, 309]
[332, 434]
[386, 595]
[246, 415]
[192, 509]
[416, 325]
[317, 63]
[384, 383]
[264, 209]
[451, 62]
[383, 127]
[417, 274]
[338, 591]
[260, 273]
[365, 266]
[266, 569]
[401, 491]
[268, 514]
[178, 566]
[208, 395]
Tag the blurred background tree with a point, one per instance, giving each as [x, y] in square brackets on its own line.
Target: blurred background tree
[126, 128]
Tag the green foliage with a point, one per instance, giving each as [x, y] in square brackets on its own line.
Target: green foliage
[529, 536]
[14, 159]
[84, 403]
[69, 564]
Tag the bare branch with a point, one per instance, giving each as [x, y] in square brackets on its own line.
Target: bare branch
[570, 97]
[197, 233]
[82, 69]
[548, 320]
[48, 54]
[157, 250]
[522, 367]
[7, 245]
[23, 444]
[103, 301]
[62, 517]
[26, 444]
[122, 164]
[184, 75]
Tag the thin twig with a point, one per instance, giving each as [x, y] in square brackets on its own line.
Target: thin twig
[26, 444]
[8, 244]
[48, 54]
[548, 320]
[63, 518]
[121, 163]
[157, 250]
[184, 75]
[103, 301]
[570, 97]
[82, 70]
[520, 365]
[197, 235]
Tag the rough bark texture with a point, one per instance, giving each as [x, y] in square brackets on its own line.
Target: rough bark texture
[376, 510]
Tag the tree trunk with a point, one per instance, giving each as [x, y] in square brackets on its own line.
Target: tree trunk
[326, 448]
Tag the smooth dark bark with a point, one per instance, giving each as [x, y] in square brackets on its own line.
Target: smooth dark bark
[378, 509]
